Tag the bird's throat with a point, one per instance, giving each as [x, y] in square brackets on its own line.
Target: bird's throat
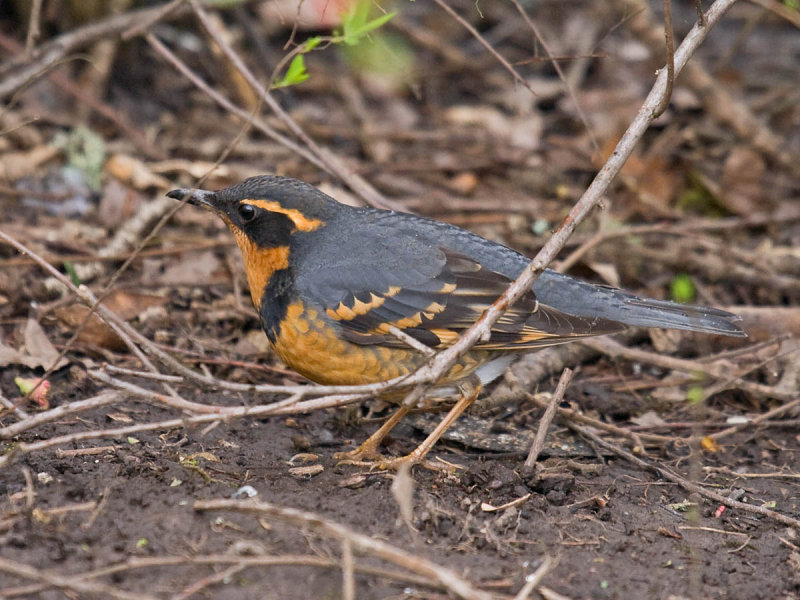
[260, 264]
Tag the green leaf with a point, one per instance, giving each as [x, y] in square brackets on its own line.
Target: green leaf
[296, 73]
[695, 394]
[73, 274]
[682, 289]
[312, 43]
[356, 26]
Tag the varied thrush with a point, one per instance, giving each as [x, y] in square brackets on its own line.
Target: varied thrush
[331, 282]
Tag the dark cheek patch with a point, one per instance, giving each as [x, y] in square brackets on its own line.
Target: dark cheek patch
[269, 230]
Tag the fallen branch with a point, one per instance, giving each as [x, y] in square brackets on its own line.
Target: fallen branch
[360, 543]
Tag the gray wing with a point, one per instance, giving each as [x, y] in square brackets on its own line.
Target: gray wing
[431, 293]
[579, 298]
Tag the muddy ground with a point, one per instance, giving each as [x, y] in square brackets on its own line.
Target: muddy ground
[106, 501]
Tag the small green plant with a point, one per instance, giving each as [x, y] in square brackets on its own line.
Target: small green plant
[356, 25]
[73, 274]
[682, 289]
[296, 73]
[695, 395]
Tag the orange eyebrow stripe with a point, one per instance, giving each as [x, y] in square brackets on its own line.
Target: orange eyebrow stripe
[301, 222]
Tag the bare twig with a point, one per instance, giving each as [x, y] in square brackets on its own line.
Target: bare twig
[246, 116]
[205, 582]
[68, 583]
[58, 412]
[120, 327]
[145, 24]
[348, 571]
[34, 27]
[6, 403]
[410, 341]
[612, 348]
[547, 418]
[533, 580]
[716, 100]
[151, 562]
[360, 543]
[669, 37]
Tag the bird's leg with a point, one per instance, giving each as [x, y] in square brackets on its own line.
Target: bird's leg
[469, 389]
[369, 449]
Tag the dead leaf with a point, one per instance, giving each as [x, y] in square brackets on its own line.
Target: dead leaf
[191, 269]
[403, 493]
[10, 356]
[124, 303]
[117, 204]
[16, 165]
[306, 472]
[666, 341]
[607, 271]
[464, 183]
[194, 168]
[742, 182]
[648, 419]
[134, 172]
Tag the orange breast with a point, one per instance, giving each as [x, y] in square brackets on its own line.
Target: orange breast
[309, 345]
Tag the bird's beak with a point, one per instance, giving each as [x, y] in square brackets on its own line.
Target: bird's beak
[203, 198]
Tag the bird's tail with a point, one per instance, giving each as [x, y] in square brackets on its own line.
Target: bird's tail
[579, 298]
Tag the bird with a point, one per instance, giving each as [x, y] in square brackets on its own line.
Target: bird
[333, 284]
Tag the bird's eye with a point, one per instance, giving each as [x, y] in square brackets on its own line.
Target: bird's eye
[247, 212]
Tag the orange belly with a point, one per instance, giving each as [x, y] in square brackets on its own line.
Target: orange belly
[309, 346]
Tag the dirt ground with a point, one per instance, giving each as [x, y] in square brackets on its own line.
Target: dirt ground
[670, 471]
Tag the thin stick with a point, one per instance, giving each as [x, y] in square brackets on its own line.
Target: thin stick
[223, 559]
[361, 543]
[34, 28]
[547, 418]
[68, 583]
[203, 583]
[348, 572]
[19, 71]
[532, 581]
[12, 406]
[410, 341]
[670, 46]
[474, 32]
[59, 412]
